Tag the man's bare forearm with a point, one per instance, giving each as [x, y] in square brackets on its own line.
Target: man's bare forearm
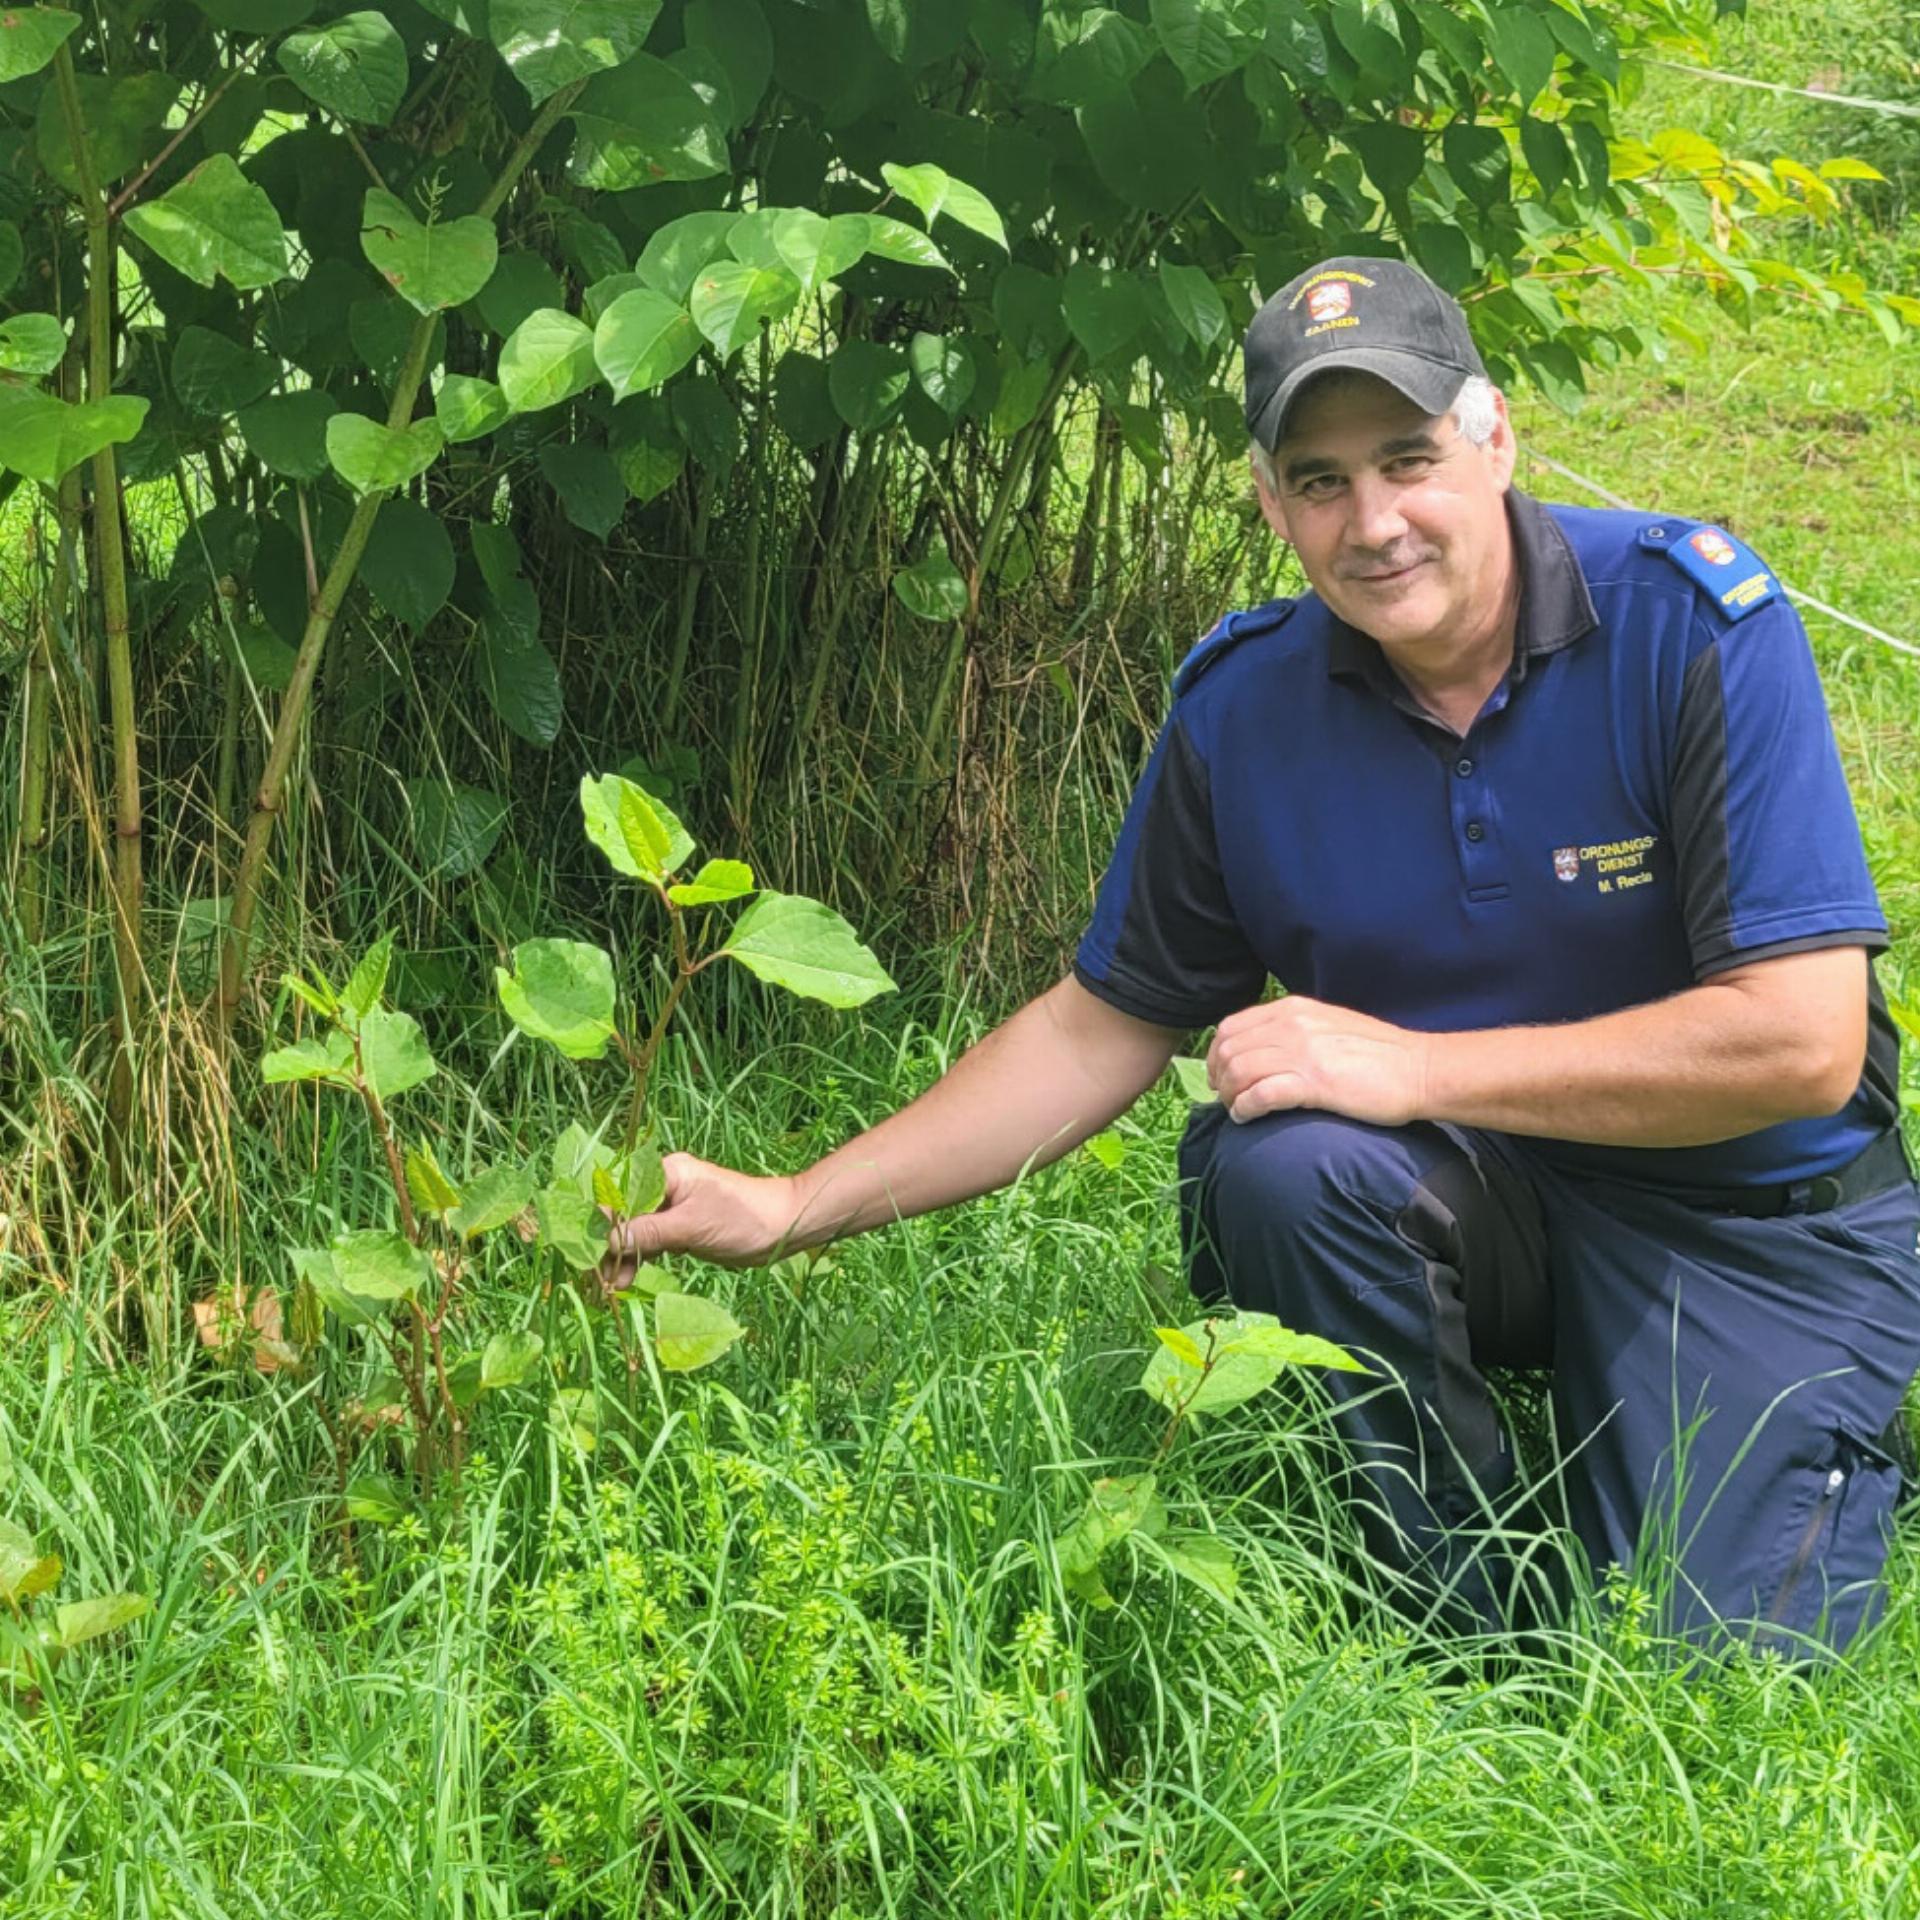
[1058, 1071]
[1706, 1065]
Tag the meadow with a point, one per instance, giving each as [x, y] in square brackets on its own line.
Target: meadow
[786, 1637]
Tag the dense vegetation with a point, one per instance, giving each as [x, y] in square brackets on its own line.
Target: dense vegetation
[873, 580]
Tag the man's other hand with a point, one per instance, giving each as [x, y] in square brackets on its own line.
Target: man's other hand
[1297, 1052]
[733, 1219]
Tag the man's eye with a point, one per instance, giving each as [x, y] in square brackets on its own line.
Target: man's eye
[1323, 486]
[1410, 466]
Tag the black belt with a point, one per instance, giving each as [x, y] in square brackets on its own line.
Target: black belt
[1874, 1170]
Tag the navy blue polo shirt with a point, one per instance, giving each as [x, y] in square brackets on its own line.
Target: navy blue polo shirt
[1651, 795]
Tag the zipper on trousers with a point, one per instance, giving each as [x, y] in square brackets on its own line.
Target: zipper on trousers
[1809, 1539]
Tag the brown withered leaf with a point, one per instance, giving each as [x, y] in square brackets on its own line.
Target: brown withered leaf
[226, 1319]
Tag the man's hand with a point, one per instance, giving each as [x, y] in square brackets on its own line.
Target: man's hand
[1297, 1052]
[733, 1219]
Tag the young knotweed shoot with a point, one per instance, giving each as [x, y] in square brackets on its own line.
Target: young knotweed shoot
[1203, 1368]
[29, 1644]
[392, 1282]
[563, 992]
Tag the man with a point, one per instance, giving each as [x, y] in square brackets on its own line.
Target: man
[1537, 816]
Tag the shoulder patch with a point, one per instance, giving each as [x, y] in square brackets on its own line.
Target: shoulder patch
[1245, 625]
[1731, 574]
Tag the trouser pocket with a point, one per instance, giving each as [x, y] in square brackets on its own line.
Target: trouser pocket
[1836, 1543]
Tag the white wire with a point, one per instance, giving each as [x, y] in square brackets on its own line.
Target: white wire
[1900, 107]
[1793, 593]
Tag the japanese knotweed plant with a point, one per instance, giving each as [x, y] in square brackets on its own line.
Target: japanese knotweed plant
[29, 1640]
[402, 1282]
[1204, 1368]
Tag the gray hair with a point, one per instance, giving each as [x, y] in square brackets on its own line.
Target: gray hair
[1473, 413]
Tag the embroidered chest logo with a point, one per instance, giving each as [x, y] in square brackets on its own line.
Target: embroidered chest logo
[1617, 866]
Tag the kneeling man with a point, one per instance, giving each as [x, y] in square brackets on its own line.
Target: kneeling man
[1536, 815]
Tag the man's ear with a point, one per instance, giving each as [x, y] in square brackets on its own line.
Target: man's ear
[1503, 449]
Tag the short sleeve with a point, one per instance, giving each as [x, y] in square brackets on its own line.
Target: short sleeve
[1767, 847]
[1164, 943]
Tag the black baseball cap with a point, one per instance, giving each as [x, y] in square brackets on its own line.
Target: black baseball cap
[1376, 316]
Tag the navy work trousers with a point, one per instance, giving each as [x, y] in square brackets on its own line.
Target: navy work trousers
[1767, 1357]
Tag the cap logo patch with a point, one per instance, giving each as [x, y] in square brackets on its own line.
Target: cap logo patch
[1710, 544]
[1329, 300]
[1566, 863]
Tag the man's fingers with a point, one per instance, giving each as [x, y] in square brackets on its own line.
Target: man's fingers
[1277, 1093]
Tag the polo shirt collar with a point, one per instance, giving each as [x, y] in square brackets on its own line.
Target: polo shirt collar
[1556, 609]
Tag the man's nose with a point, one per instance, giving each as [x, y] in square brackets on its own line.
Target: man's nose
[1374, 520]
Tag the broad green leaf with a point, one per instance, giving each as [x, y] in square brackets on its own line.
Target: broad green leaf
[583, 474]
[1105, 309]
[575, 1414]
[1203, 1558]
[549, 44]
[641, 124]
[1115, 1508]
[803, 400]
[376, 1498]
[432, 1191]
[547, 359]
[1849, 167]
[517, 673]
[1182, 1346]
[464, 1382]
[409, 562]
[443, 263]
[1196, 304]
[933, 587]
[493, 1198]
[601, 294]
[44, 438]
[215, 222]
[372, 458]
[316, 993]
[1207, 39]
[24, 1570]
[393, 1053]
[122, 117]
[468, 407]
[690, 1333]
[214, 374]
[454, 827]
[643, 1180]
[943, 370]
[82, 1620]
[637, 831]
[1027, 309]
[1107, 1147]
[606, 1191]
[1523, 49]
[1247, 1352]
[677, 252]
[913, 34]
[367, 982]
[936, 192]
[355, 66]
[362, 1274]
[324, 1057]
[1264, 1337]
[730, 299]
[894, 240]
[32, 343]
[521, 284]
[735, 33]
[1192, 1077]
[287, 432]
[572, 1225]
[868, 383]
[509, 1358]
[808, 245]
[561, 991]
[1478, 162]
[797, 943]
[650, 1280]
[643, 339]
[30, 37]
[716, 881]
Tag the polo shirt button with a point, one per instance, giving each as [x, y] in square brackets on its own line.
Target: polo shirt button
[1475, 831]
[1463, 768]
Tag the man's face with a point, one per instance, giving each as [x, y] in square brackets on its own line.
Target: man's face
[1399, 522]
